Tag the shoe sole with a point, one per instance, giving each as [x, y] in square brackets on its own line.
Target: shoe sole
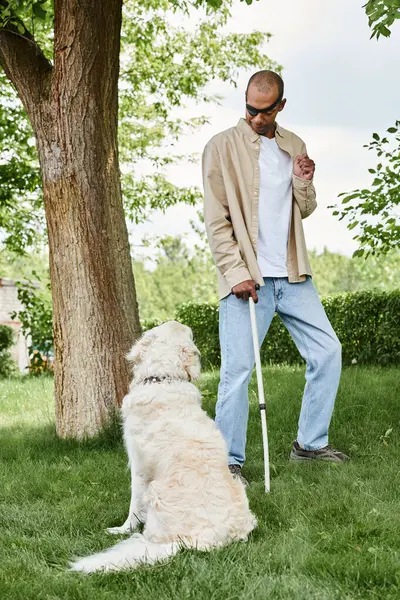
[297, 458]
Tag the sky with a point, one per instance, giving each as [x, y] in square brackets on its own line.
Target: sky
[340, 86]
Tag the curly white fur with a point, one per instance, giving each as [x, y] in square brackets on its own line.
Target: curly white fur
[182, 488]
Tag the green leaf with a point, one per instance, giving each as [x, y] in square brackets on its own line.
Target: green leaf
[38, 11]
[359, 253]
[351, 197]
[392, 130]
[385, 31]
[375, 136]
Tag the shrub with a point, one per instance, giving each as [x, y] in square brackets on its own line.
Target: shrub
[7, 365]
[36, 322]
[203, 319]
[367, 324]
[150, 323]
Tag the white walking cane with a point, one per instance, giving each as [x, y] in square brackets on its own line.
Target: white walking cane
[261, 399]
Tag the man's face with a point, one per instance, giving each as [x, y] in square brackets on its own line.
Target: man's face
[263, 123]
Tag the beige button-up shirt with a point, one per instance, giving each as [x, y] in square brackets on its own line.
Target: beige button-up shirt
[231, 179]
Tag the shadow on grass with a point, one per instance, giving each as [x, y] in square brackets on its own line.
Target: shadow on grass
[42, 442]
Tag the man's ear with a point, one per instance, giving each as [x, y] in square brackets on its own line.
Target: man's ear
[138, 350]
[282, 105]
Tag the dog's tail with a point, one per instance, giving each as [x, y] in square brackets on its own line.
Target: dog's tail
[128, 554]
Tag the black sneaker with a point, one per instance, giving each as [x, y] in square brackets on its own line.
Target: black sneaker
[328, 454]
[236, 471]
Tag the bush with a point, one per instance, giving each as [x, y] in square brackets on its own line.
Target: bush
[7, 365]
[150, 323]
[6, 337]
[367, 324]
[36, 321]
[203, 319]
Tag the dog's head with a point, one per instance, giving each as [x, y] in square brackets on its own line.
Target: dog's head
[166, 350]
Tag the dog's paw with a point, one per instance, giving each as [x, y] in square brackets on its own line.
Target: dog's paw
[119, 530]
[127, 527]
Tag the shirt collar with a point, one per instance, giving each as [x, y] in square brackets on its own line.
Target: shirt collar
[245, 128]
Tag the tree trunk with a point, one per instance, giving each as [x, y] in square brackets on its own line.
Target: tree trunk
[94, 302]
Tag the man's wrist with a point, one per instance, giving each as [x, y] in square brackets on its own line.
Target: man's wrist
[299, 181]
[236, 276]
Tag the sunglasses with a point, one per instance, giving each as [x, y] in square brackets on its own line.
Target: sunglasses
[254, 111]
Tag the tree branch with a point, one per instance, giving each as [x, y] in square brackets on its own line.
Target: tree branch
[24, 64]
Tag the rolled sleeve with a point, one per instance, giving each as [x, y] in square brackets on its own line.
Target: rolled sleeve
[304, 193]
[224, 247]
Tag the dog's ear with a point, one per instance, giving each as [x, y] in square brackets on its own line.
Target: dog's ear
[191, 361]
[138, 350]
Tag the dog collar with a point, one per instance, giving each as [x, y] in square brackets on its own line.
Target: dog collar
[154, 379]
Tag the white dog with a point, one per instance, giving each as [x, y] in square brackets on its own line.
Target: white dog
[182, 488]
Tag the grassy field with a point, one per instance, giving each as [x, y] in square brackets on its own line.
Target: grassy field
[325, 531]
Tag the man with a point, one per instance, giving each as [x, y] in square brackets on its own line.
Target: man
[258, 186]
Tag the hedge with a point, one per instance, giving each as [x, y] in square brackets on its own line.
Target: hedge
[367, 324]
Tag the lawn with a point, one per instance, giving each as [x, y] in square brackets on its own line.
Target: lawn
[325, 531]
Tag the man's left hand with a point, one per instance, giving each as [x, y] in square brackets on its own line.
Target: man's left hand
[304, 167]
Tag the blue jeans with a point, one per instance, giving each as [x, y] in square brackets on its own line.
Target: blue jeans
[300, 309]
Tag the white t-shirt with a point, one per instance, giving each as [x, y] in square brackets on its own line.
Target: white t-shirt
[275, 203]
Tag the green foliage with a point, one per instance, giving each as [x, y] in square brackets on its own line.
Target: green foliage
[164, 65]
[13, 13]
[26, 267]
[6, 337]
[184, 276]
[36, 321]
[375, 211]
[22, 220]
[367, 324]
[7, 365]
[179, 276]
[21, 213]
[381, 16]
[203, 319]
[335, 273]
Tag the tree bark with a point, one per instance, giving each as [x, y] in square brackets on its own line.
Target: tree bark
[73, 107]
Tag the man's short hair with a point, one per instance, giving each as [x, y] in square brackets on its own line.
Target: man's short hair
[265, 80]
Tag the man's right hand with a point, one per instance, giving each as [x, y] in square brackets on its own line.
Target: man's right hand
[245, 289]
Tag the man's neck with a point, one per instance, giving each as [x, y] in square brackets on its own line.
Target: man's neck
[270, 134]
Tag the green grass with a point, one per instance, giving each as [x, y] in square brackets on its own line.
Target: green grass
[325, 531]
